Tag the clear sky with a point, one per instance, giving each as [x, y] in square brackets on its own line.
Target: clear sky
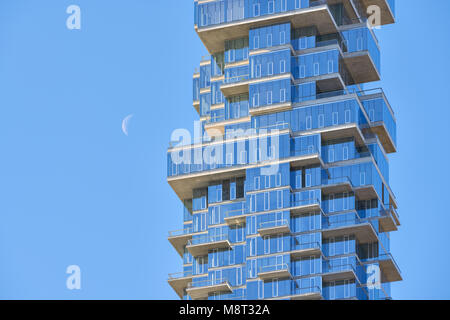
[75, 190]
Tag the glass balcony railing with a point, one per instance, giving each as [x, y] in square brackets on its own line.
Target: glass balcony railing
[207, 239]
[346, 220]
[273, 224]
[306, 202]
[207, 283]
[180, 275]
[234, 213]
[305, 246]
[299, 291]
[273, 268]
[236, 79]
[181, 232]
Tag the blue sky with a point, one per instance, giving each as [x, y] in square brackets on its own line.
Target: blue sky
[75, 190]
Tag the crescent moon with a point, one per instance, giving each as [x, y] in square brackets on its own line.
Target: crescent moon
[125, 124]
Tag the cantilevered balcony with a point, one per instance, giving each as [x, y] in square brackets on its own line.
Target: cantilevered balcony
[214, 28]
[387, 9]
[180, 238]
[305, 206]
[235, 217]
[333, 272]
[269, 228]
[278, 271]
[201, 245]
[200, 290]
[236, 85]
[389, 268]
[180, 281]
[341, 224]
[388, 222]
[382, 118]
[307, 293]
[308, 249]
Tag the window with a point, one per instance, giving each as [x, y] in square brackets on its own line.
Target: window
[275, 288]
[302, 71]
[252, 225]
[278, 180]
[215, 256]
[270, 68]
[346, 244]
[346, 288]
[256, 12]
[252, 273]
[253, 203]
[239, 276]
[330, 66]
[297, 4]
[316, 68]
[298, 181]
[232, 55]
[279, 244]
[266, 201]
[271, 7]
[332, 290]
[266, 182]
[269, 97]
[308, 123]
[331, 155]
[282, 66]
[279, 199]
[260, 289]
[321, 120]
[256, 42]
[256, 100]
[282, 95]
[335, 118]
[362, 178]
[253, 247]
[269, 40]
[347, 116]
[331, 202]
[345, 200]
[331, 248]
[257, 183]
[345, 153]
[282, 37]
[308, 180]
[266, 241]
[258, 71]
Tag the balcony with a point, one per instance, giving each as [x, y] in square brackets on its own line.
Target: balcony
[179, 281]
[387, 8]
[201, 245]
[339, 272]
[234, 86]
[274, 227]
[308, 293]
[305, 206]
[299, 251]
[387, 221]
[214, 28]
[382, 118]
[349, 223]
[271, 108]
[337, 185]
[235, 217]
[389, 269]
[200, 290]
[180, 238]
[279, 271]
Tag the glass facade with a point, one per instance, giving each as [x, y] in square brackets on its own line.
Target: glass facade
[286, 195]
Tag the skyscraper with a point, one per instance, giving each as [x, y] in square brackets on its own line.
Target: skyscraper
[285, 187]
